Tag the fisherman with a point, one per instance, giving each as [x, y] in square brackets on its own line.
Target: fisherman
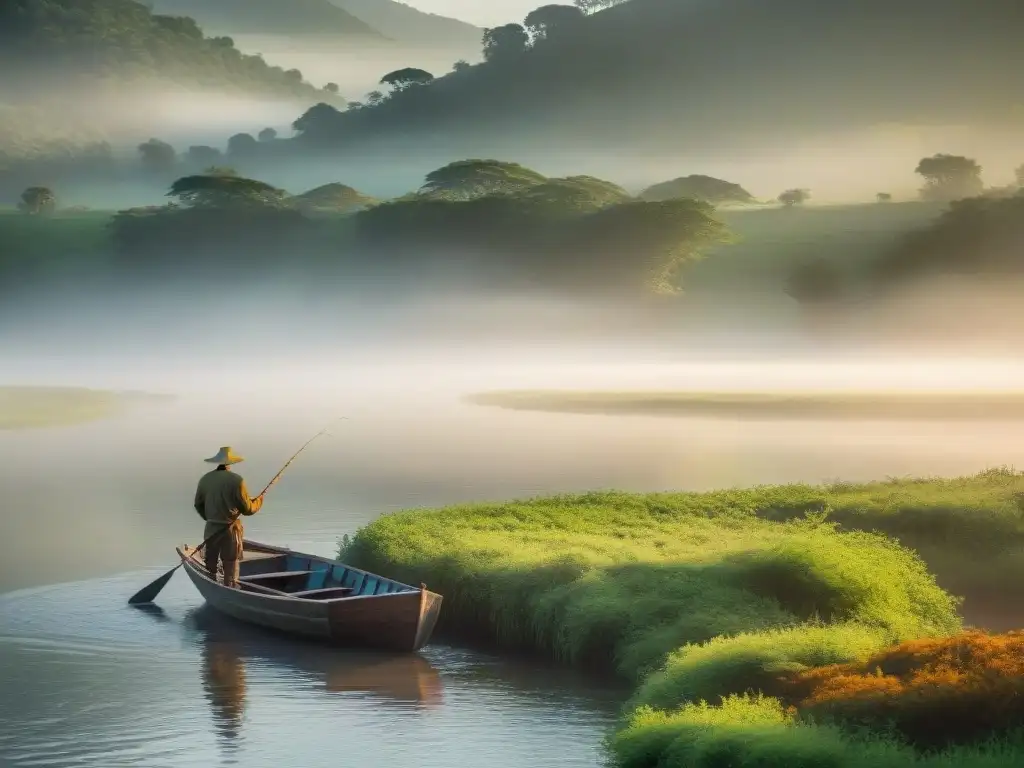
[221, 500]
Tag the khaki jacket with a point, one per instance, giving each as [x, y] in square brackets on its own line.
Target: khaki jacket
[222, 499]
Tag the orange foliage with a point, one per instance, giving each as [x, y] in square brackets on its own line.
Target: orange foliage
[953, 690]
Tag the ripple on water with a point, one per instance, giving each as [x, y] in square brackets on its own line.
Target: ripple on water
[90, 681]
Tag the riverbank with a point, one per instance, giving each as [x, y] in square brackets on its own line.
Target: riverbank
[858, 405]
[696, 597]
[27, 407]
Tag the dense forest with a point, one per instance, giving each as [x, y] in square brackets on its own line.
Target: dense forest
[675, 74]
[52, 48]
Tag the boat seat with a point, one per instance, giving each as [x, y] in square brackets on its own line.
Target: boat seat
[260, 588]
[275, 575]
[311, 592]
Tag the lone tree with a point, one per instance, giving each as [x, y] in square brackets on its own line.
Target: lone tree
[883, 197]
[550, 21]
[38, 201]
[319, 120]
[699, 187]
[331, 88]
[461, 66]
[792, 197]
[467, 179]
[221, 190]
[505, 42]
[401, 79]
[267, 134]
[157, 156]
[241, 144]
[950, 177]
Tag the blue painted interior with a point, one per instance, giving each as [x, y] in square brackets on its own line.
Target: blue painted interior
[318, 578]
[293, 563]
[369, 586]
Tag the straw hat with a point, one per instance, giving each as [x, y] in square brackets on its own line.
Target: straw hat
[225, 456]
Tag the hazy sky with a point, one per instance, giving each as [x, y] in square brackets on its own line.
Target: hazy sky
[482, 12]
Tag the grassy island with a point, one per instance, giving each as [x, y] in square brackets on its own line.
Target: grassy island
[770, 626]
[32, 407]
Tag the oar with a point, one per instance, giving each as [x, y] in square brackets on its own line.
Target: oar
[151, 590]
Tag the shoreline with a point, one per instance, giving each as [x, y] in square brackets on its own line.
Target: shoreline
[766, 406]
[711, 597]
[25, 407]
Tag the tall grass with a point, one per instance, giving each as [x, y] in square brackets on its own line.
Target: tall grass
[710, 602]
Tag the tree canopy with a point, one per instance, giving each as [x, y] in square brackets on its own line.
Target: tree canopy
[408, 77]
[792, 197]
[975, 236]
[332, 198]
[581, 194]
[223, 191]
[699, 187]
[505, 42]
[948, 177]
[37, 201]
[111, 41]
[466, 179]
[551, 21]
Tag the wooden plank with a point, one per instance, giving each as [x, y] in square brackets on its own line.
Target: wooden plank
[340, 590]
[275, 575]
[267, 590]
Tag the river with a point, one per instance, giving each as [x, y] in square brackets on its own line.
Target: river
[92, 512]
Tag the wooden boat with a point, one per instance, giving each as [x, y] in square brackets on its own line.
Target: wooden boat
[319, 598]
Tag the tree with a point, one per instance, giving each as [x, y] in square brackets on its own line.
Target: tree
[157, 156]
[241, 144]
[38, 201]
[579, 194]
[267, 135]
[550, 21]
[589, 6]
[375, 98]
[293, 76]
[467, 179]
[401, 79]
[652, 241]
[331, 88]
[201, 155]
[1020, 176]
[461, 66]
[792, 197]
[505, 42]
[949, 177]
[224, 191]
[883, 197]
[706, 188]
[332, 198]
[319, 120]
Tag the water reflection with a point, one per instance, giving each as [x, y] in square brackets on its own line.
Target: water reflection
[404, 679]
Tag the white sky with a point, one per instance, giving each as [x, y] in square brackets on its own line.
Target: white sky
[485, 13]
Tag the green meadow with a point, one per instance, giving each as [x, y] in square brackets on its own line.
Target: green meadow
[706, 601]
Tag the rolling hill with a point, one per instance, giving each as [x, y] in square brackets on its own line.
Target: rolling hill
[413, 27]
[664, 74]
[271, 17]
[49, 47]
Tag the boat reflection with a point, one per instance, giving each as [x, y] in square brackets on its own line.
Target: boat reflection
[405, 679]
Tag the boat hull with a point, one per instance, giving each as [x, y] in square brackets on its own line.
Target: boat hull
[374, 613]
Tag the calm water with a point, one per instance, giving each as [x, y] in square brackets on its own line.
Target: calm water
[92, 513]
